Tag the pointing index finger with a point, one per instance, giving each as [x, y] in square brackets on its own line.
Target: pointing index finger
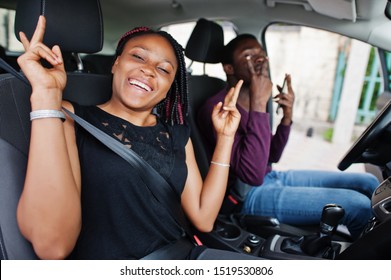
[250, 65]
[39, 30]
[237, 88]
[232, 96]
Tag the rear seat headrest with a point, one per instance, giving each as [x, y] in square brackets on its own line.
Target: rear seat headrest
[74, 25]
[206, 42]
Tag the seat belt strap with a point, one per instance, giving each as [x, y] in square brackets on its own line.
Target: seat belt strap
[152, 179]
[4, 65]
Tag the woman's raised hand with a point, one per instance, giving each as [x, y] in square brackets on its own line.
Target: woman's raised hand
[47, 83]
[226, 117]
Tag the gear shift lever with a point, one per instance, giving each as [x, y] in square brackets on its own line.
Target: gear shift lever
[321, 245]
[318, 245]
[331, 215]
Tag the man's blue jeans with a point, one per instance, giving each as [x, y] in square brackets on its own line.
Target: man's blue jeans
[297, 197]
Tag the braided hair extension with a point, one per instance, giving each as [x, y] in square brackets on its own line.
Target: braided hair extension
[174, 108]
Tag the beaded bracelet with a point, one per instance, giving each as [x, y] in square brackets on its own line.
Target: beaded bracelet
[220, 164]
[41, 114]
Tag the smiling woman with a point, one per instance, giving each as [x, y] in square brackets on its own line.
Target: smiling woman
[89, 211]
[81, 193]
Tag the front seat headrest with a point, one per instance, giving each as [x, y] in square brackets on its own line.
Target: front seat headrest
[206, 42]
[80, 31]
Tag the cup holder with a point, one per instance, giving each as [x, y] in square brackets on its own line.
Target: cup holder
[227, 231]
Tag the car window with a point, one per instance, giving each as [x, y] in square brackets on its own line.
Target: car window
[337, 81]
[181, 32]
[385, 57]
[7, 37]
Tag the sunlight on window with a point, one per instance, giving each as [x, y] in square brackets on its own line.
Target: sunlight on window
[7, 36]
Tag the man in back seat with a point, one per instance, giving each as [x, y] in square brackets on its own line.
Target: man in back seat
[295, 197]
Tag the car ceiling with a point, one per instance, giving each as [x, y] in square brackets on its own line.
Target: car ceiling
[361, 19]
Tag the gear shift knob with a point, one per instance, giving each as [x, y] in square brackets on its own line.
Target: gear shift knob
[331, 215]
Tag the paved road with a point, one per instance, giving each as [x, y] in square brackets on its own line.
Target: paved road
[304, 152]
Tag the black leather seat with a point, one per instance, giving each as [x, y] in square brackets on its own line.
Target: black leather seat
[98, 63]
[63, 28]
[204, 45]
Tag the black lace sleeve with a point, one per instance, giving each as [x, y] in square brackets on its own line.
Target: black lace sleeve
[181, 135]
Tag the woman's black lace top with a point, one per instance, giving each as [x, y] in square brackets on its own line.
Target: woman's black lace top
[121, 219]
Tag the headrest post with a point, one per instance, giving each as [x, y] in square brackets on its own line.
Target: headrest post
[79, 62]
[189, 69]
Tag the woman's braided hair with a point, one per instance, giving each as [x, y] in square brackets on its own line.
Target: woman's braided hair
[174, 108]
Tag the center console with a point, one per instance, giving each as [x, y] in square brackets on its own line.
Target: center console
[227, 235]
[285, 242]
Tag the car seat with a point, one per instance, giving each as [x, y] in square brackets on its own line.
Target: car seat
[98, 63]
[204, 45]
[76, 26]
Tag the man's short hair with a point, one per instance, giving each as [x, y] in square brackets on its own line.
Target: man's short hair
[227, 57]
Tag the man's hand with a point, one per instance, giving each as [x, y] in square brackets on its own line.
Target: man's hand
[286, 101]
[261, 85]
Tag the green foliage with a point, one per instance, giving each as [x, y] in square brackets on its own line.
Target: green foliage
[328, 134]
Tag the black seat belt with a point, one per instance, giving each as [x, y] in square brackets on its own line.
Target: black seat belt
[4, 65]
[152, 179]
